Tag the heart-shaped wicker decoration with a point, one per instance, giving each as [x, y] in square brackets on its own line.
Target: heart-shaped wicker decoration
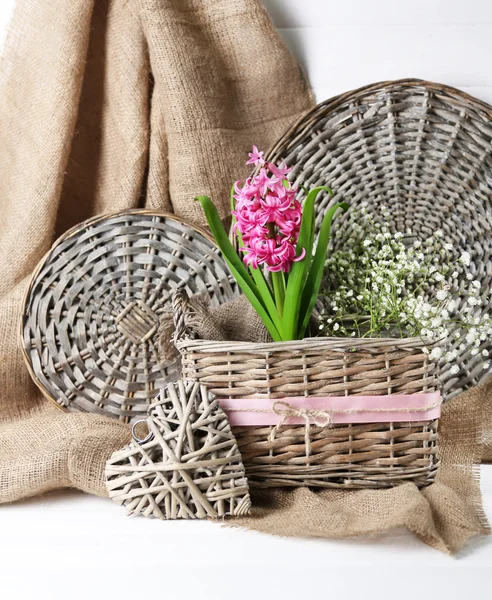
[96, 306]
[188, 466]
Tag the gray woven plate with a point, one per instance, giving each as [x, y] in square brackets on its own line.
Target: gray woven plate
[94, 307]
[422, 149]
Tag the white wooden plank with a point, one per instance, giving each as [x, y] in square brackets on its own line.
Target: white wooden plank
[348, 57]
[310, 13]
[6, 9]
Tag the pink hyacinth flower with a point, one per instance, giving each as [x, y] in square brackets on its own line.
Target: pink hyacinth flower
[268, 217]
[256, 157]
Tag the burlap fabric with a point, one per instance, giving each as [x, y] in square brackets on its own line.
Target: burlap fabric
[108, 105]
[444, 515]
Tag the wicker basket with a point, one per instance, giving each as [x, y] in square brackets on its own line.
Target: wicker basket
[422, 149]
[93, 310]
[349, 456]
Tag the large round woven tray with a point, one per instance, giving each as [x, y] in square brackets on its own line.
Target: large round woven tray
[95, 306]
[423, 150]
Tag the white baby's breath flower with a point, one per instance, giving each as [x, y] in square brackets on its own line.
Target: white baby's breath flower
[476, 284]
[376, 274]
[436, 353]
[454, 370]
[485, 352]
[486, 366]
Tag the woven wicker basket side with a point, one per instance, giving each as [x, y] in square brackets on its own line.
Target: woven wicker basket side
[352, 456]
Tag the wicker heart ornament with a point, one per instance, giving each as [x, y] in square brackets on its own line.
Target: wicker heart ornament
[187, 466]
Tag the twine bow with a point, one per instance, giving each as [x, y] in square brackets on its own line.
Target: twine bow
[320, 418]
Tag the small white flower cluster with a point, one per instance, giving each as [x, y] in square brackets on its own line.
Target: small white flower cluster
[386, 284]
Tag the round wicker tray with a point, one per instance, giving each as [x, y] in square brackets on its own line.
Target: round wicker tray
[93, 310]
[423, 150]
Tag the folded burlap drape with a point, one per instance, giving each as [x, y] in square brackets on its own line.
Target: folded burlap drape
[107, 105]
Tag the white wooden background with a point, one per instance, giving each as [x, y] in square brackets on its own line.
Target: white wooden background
[344, 44]
[348, 43]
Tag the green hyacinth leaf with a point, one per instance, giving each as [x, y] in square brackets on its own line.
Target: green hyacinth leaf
[313, 282]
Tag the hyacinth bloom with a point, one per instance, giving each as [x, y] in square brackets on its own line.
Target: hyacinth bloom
[267, 218]
[276, 235]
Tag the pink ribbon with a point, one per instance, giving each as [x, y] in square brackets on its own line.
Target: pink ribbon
[332, 409]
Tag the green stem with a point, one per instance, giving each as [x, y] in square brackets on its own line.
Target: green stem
[299, 270]
[278, 282]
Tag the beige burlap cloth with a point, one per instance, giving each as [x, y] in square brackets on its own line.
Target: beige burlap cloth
[105, 106]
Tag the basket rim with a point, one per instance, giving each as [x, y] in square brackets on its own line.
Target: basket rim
[66, 235]
[314, 343]
[328, 105]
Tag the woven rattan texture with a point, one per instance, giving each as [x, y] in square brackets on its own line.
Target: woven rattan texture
[95, 305]
[351, 456]
[422, 149]
[188, 465]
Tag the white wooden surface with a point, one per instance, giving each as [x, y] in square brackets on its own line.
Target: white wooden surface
[68, 545]
[350, 43]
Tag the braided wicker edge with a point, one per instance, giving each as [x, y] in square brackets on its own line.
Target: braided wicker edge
[303, 123]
